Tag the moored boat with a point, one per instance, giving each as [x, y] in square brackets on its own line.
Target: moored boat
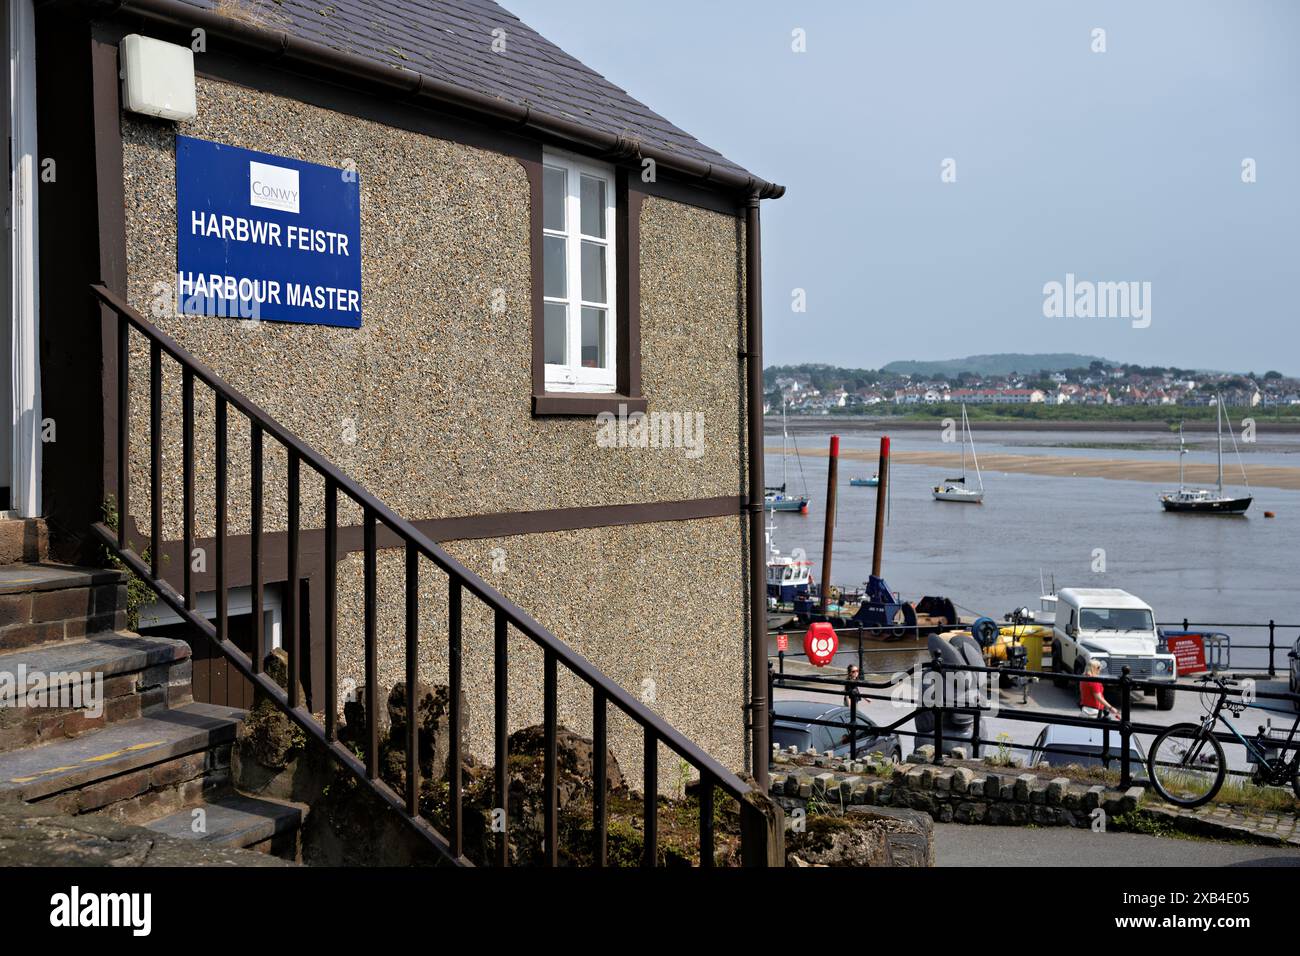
[872, 482]
[775, 497]
[954, 489]
[1206, 500]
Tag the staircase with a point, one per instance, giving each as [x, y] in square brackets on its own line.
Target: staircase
[97, 719]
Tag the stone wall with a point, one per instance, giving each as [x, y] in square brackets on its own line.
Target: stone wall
[960, 791]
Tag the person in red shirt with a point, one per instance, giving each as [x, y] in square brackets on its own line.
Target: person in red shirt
[1092, 698]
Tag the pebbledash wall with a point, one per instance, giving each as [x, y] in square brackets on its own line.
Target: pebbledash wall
[428, 406]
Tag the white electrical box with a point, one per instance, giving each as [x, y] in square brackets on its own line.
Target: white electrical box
[157, 78]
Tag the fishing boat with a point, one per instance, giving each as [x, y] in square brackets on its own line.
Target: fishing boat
[1207, 500]
[775, 498]
[872, 482]
[788, 576]
[954, 489]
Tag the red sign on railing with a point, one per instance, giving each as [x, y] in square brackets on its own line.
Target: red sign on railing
[1188, 651]
[783, 642]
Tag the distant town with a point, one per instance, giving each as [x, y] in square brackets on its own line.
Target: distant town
[825, 389]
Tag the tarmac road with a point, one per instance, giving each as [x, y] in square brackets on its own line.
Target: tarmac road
[957, 845]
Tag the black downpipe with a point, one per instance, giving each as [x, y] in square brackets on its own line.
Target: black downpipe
[759, 701]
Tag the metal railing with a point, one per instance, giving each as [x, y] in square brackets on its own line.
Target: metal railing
[417, 548]
[1125, 727]
[1272, 646]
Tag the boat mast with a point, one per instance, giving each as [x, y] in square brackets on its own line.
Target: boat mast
[783, 436]
[963, 444]
[1218, 408]
[1182, 451]
[974, 458]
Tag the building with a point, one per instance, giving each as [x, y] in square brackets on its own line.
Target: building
[458, 266]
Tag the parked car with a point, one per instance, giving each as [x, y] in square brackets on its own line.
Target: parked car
[1059, 745]
[1294, 655]
[792, 728]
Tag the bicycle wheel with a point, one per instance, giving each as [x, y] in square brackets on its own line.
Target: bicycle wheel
[1187, 765]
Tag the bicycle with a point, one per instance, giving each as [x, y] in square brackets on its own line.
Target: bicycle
[1186, 761]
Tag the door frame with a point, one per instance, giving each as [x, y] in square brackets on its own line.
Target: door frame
[24, 379]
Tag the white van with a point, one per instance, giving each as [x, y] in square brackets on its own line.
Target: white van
[1114, 627]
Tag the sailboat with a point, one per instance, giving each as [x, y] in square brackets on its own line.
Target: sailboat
[1207, 500]
[954, 489]
[775, 498]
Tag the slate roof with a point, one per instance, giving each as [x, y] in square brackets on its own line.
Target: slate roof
[451, 41]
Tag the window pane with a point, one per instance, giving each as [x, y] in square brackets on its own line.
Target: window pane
[555, 284]
[557, 333]
[593, 272]
[554, 194]
[593, 338]
[593, 207]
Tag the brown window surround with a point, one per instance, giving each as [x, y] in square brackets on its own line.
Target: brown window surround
[627, 258]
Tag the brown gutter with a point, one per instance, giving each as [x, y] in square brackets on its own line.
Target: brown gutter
[758, 702]
[413, 86]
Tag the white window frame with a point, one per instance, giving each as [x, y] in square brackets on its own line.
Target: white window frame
[573, 376]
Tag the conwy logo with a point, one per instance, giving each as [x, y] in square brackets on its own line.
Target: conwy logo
[273, 187]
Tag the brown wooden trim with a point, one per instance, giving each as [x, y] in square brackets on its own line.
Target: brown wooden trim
[586, 403]
[533, 170]
[504, 524]
[111, 215]
[82, 238]
[627, 257]
[668, 188]
[512, 523]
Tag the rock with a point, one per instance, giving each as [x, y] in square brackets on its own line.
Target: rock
[269, 737]
[1132, 797]
[574, 754]
[1056, 790]
[866, 836]
[961, 780]
[960, 753]
[1024, 786]
[276, 667]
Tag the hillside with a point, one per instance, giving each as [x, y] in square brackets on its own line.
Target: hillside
[1001, 363]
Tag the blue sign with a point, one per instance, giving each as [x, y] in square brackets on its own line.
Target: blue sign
[264, 237]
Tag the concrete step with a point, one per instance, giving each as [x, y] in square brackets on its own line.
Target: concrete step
[136, 770]
[41, 603]
[269, 826]
[52, 691]
[23, 539]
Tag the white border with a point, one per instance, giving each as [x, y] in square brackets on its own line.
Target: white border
[574, 377]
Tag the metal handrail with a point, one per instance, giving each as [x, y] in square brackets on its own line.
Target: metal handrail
[1125, 726]
[604, 690]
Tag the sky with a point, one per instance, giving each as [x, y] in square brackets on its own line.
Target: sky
[1122, 165]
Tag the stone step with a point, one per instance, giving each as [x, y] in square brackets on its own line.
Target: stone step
[42, 603]
[236, 820]
[23, 539]
[52, 691]
[161, 760]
